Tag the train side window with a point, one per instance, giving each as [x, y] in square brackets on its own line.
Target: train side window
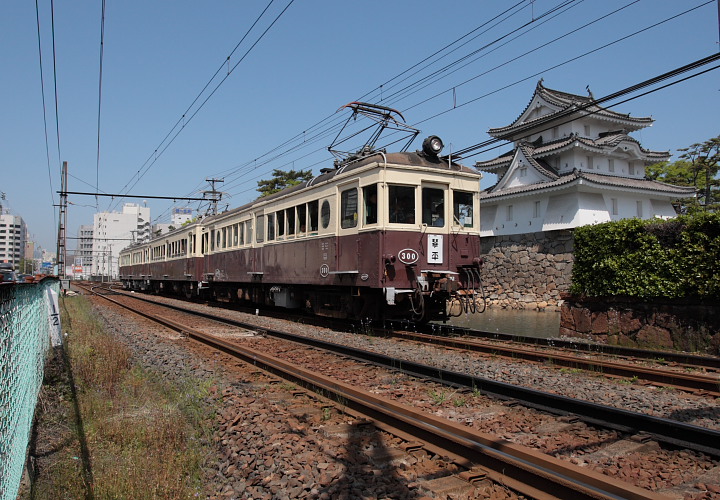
[302, 220]
[325, 214]
[313, 215]
[463, 208]
[241, 233]
[401, 204]
[212, 240]
[370, 204]
[248, 232]
[433, 207]
[260, 229]
[349, 208]
[271, 227]
[280, 218]
[224, 237]
[235, 235]
[290, 213]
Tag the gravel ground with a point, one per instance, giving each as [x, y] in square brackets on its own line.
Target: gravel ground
[657, 401]
[301, 462]
[273, 444]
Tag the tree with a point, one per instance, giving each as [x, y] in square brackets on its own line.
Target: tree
[698, 166]
[283, 179]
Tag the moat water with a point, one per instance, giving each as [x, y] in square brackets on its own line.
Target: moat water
[514, 322]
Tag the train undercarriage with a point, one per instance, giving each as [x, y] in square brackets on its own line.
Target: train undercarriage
[434, 300]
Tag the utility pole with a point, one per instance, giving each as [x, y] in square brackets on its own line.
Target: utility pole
[62, 222]
[215, 196]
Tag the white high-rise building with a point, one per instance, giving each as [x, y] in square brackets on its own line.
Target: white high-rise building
[13, 236]
[84, 254]
[113, 231]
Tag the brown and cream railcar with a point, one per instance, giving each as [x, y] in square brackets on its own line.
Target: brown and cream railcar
[386, 236]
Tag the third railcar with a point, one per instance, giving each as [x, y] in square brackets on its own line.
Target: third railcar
[385, 236]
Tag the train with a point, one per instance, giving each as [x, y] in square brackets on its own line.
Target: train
[378, 236]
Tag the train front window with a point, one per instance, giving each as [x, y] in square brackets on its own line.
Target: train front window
[349, 208]
[433, 207]
[463, 208]
[401, 204]
[370, 204]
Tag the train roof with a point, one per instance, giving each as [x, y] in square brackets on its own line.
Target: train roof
[408, 159]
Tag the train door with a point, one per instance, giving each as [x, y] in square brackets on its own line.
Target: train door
[348, 245]
[258, 265]
[434, 212]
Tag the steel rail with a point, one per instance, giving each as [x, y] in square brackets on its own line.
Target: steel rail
[524, 470]
[668, 431]
[709, 384]
[695, 360]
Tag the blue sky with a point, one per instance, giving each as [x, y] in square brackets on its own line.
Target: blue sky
[318, 56]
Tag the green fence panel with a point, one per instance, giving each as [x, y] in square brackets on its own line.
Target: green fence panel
[26, 314]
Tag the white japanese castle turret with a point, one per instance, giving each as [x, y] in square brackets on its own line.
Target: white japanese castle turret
[573, 163]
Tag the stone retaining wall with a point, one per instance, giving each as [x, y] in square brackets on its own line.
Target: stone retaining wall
[527, 271]
[675, 325]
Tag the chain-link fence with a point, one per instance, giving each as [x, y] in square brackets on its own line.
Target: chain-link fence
[28, 315]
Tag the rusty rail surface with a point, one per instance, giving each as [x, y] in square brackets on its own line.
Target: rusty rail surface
[697, 383]
[522, 469]
[664, 430]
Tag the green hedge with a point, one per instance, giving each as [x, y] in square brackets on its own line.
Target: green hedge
[678, 258]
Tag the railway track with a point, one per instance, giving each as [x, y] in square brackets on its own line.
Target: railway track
[700, 383]
[693, 373]
[485, 457]
[672, 358]
[663, 430]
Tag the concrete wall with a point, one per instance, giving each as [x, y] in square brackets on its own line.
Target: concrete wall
[527, 271]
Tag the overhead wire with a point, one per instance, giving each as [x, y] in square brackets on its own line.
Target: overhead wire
[243, 170]
[547, 13]
[610, 97]
[54, 59]
[44, 105]
[555, 66]
[340, 120]
[185, 122]
[102, 51]
[553, 10]
[199, 95]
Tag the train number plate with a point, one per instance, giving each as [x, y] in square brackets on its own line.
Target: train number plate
[408, 256]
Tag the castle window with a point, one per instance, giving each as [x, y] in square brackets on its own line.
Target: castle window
[509, 213]
[589, 162]
[611, 165]
[536, 210]
[523, 172]
[614, 206]
[639, 205]
[631, 168]
[587, 130]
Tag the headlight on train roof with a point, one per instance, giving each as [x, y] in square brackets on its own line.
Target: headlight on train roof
[432, 145]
